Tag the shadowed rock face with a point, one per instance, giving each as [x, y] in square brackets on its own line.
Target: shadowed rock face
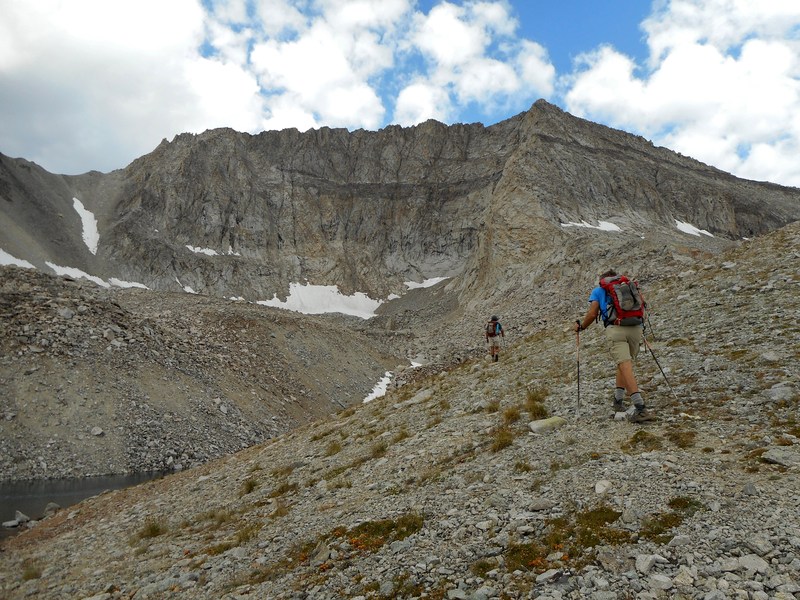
[369, 210]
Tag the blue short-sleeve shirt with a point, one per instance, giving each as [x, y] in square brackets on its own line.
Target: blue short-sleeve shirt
[601, 296]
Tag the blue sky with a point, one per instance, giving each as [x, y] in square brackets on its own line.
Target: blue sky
[569, 28]
[92, 85]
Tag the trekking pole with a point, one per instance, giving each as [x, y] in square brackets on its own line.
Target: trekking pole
[578, 360]
[646, 343]
[649, 324]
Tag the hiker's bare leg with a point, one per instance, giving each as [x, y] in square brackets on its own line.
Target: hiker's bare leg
[625, 377]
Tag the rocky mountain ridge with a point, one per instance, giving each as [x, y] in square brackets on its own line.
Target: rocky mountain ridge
[367, 211]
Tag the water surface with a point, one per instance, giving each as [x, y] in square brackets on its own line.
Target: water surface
[32, 497]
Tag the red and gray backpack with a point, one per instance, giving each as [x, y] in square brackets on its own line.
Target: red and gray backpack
[627, 304]
[493, 328]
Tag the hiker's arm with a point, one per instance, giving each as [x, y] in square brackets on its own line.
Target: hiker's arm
[589, 317]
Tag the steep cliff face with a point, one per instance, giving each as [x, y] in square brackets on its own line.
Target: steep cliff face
[576, 168]
[369, 210]
[566, 170]
[361, 210]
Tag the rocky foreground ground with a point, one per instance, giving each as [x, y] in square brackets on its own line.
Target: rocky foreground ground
[485, 480]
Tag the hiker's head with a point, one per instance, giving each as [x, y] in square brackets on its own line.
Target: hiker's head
[609, 273]
[494, 318]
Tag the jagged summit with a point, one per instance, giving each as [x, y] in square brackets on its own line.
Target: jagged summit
[368, 210]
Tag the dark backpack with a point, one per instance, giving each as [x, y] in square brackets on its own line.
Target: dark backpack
[492, 328]
[627, 304]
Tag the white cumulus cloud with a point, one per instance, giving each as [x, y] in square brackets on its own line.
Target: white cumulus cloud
[722, 85]
[93, 84]
[471, 55]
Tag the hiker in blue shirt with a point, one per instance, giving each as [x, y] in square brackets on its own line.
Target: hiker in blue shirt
[623, 342]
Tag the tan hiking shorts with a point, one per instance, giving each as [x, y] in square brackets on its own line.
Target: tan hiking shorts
[494, 342]
[623, 342]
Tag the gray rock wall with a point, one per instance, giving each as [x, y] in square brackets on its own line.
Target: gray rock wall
[369, 210]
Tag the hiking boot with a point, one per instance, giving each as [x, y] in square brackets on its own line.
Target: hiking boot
[618, 406]
[641, 415]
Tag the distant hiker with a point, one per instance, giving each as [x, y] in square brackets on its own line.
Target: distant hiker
[617, 301]
[494, 331]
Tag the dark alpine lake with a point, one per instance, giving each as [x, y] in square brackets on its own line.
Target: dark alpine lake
[31, 497]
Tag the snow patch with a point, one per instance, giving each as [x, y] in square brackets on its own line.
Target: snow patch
[319, 299]
[602, 225]
[186, 288]
[126, 284]
[380, 387]
[691, 229]
[206, 251]
[412, 285]
[91, 236]
[7, 259]
[210, 251]
[77, 274]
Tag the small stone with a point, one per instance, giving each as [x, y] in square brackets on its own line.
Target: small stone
[753, 563]
[781, 392]
[660, 582]
[644, 563]
[759, 545]
[680, 540]
[51, 509]
[684, 577]
[543, 425]
[781, 456]
[548, 575]
[538, 504]
[483, 593]
[603, 487]
[750, 489]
